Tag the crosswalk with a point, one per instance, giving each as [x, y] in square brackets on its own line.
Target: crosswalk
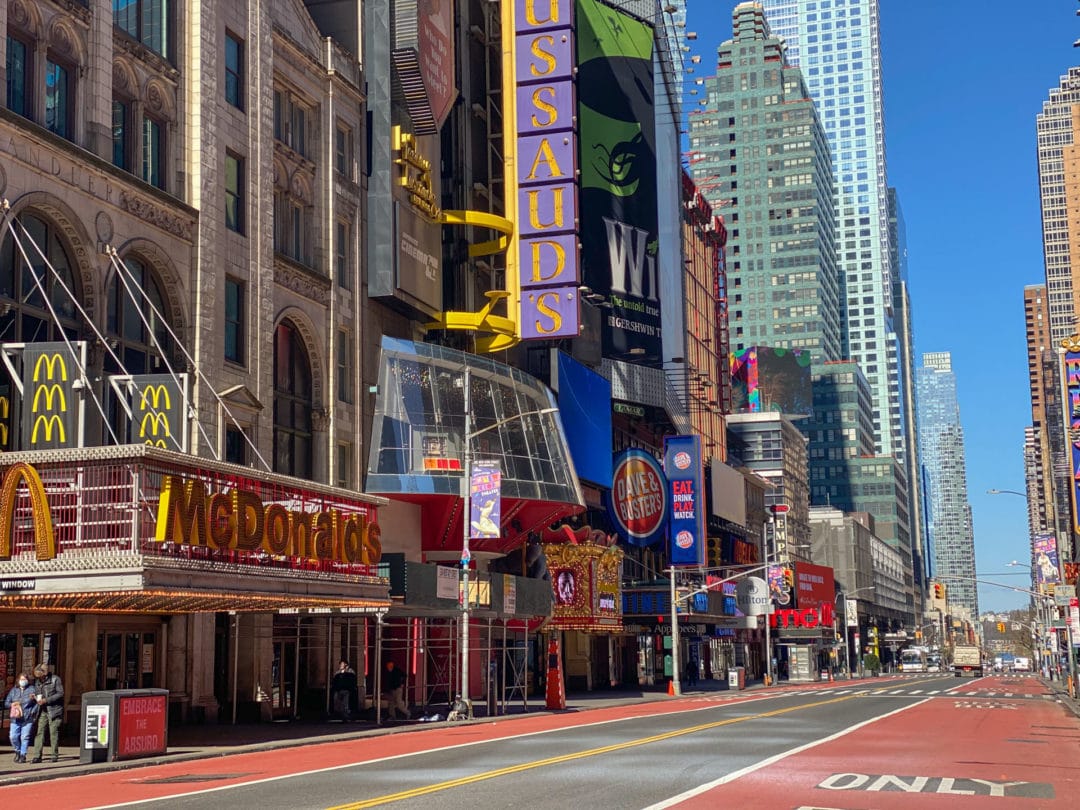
[1009, 686]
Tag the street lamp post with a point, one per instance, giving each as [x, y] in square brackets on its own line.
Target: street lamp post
[466, 531]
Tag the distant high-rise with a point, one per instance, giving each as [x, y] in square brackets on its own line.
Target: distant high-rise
[759, 154]
[1046, 426]
[1059, 185]
[837, 46]
[941, 449]
[902, 413]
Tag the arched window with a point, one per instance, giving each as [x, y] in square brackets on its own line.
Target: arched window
[139, 348]
[292, 403]
[24, 313]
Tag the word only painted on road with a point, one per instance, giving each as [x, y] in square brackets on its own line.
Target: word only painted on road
[949, 786]
[975, 704]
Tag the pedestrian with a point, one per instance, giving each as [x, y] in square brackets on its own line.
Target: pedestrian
[50, 700]
[692, 671]
[394, 689]
[22, 708]
[343, 688]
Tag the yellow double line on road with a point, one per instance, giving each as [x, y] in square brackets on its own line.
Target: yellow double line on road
[592, 752]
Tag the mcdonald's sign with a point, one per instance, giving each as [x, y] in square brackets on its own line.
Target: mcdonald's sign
[190, 515]
[44, 538]
[48, 372]
[158, 405]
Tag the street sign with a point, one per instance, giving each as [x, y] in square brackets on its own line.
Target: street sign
[779, 508]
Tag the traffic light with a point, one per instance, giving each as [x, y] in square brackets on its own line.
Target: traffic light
[937, 590]
[1001, 627]
[789, 577]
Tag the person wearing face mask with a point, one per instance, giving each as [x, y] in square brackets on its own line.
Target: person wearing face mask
[22, 707]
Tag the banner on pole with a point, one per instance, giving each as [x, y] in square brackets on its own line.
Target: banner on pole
[485, 494]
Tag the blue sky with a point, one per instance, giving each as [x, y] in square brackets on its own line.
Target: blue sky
[963, 84]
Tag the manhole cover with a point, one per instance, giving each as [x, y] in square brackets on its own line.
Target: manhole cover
[192, 777]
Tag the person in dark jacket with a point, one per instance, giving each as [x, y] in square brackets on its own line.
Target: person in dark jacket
[50, 699]
[394, 687]
[343, 688]
[22, 708]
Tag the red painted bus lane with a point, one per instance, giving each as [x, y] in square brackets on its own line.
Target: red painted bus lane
[956, 751]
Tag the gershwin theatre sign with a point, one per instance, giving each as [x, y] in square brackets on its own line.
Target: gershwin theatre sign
[237, 519]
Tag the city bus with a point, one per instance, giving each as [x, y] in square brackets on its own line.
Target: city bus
[913, 660]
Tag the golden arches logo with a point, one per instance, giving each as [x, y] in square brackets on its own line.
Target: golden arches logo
[156, 394]
[44, 538]
[50, 392]
[51, 363]
[48, 423]
[5, 412]
[158, 424]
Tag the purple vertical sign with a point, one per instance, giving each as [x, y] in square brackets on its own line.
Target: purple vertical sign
[546, 177]
[485, 497]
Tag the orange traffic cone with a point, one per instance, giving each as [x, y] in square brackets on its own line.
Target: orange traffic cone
[830, 676]
[671, 688]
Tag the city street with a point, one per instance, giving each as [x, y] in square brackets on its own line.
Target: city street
[996, 741]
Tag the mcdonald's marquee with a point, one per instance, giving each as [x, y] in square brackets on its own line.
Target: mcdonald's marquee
[141, 529]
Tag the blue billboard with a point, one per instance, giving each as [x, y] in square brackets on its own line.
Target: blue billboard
[585, 408]
[686, 483]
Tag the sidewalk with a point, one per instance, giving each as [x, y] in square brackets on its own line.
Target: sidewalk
[193, 742]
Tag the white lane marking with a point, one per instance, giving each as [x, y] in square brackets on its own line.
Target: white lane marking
[916, 691]
[731, 777]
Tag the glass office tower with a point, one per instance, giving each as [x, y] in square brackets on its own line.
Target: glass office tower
[941, 448]
[836, 44]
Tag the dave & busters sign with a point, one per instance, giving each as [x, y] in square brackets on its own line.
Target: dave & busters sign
[638, 501]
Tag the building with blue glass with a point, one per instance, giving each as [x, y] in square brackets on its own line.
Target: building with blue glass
[941, 449]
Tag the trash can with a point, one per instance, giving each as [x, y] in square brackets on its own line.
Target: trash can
[736, 678]
[123, 724]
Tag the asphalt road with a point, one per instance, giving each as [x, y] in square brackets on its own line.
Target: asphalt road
[958, 743]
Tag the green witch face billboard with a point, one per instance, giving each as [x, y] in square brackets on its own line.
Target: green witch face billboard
[617, 191]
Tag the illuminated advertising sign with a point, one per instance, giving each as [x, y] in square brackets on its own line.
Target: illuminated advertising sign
[638, 500]
[585, 583]
[50, 403]
[238, 519]
[541, 176]
[780, 580]
[485, 499]
[686, 480]
[158, 410]
[41, 515]
[1072, 384]
[436, 52]
[1046, 566]
[619, 220]
[813, 585]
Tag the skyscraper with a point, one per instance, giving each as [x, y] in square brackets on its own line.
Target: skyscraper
[1059, 182]
[837, 46]
[941, 449]
[759, 154]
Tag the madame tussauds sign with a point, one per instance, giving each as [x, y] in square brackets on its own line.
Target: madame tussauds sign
[238, 519]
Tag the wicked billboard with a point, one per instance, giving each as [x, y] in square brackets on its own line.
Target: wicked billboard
[619, 230]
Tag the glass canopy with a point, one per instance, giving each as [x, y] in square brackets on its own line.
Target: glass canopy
[419, 425]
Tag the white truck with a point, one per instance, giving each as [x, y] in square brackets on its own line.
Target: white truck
[967, 660]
